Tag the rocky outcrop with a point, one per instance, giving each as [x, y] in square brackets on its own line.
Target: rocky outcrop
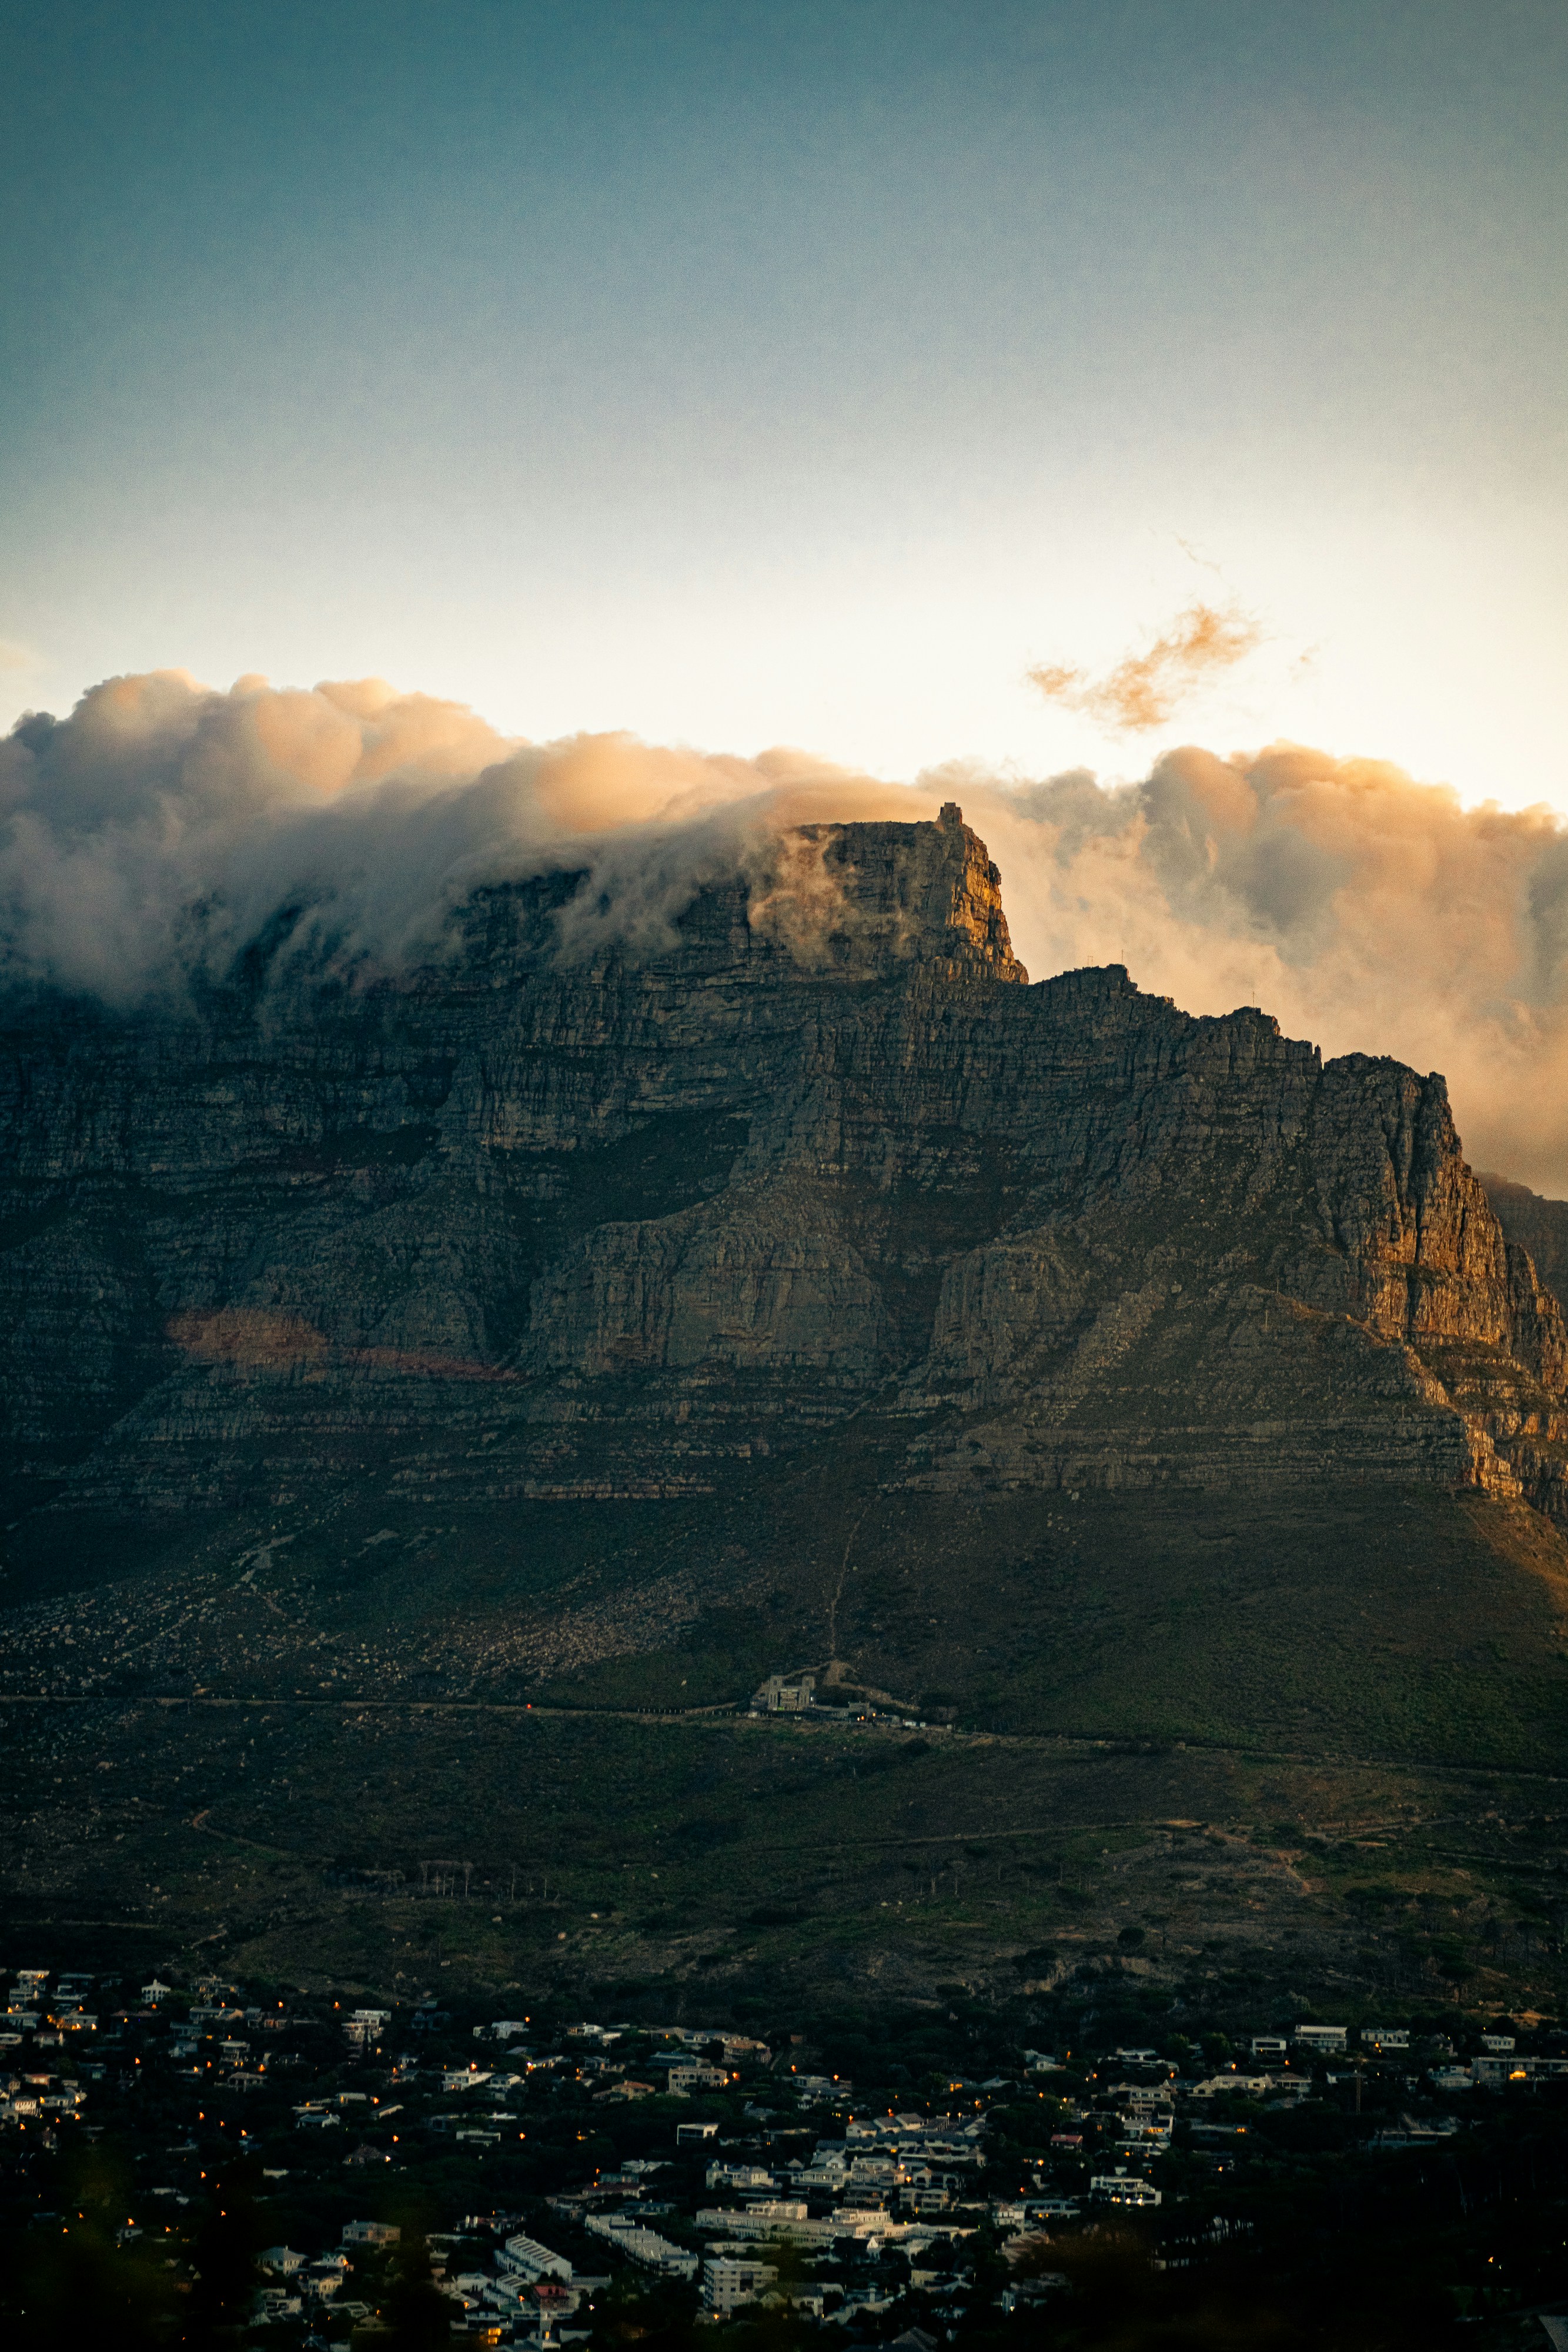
[912, 891]
[561, 1218]
[1538, 1225]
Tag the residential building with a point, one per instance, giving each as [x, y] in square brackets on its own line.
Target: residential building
[1120, 2188]
[527, 2259]
[641, 2245]
[693, 2074]
[729, 2281]
[734, 2176]
[1143, 2094]
[757, 2226]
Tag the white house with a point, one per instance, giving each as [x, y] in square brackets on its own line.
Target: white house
[527, 2259]
[640, 2246]
[729, 2279]
[1123, 2189]
[1321, 2037]
[735, 2175]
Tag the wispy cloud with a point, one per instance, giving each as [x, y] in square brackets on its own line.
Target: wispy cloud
[1149, 687]
[14, 656]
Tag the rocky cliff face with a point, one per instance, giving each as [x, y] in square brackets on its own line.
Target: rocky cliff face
[1538, 1225]
[556, 1221]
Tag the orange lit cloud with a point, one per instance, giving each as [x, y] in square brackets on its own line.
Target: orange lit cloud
[1366, 910]
[1147, 688]
[162, 827]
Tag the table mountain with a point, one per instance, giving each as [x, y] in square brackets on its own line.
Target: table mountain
[527, 1226]
[436, 1402]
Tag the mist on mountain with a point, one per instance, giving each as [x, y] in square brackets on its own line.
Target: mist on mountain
[159, 827]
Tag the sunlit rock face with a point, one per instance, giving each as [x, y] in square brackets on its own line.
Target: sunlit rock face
[546, 1222]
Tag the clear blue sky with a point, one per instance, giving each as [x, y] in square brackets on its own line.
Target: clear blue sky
[741, 373]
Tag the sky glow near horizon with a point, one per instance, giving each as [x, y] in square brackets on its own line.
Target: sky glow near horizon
[741, 375]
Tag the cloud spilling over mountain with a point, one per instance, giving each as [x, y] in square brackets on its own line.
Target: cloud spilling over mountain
[162, 824]
[158, 828]
[1364, 910]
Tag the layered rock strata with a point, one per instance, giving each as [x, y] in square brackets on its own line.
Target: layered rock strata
[565, 1217]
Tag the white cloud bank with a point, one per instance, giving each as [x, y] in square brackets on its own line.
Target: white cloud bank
[162, 824]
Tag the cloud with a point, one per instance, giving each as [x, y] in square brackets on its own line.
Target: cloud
[14, 657]
[1364, 909]
[1147, 688]
[155, 833]
[150, 835]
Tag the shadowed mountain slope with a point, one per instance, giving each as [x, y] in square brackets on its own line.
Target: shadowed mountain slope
[1538, 1225]
[809, 1290]
[542, 1231]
